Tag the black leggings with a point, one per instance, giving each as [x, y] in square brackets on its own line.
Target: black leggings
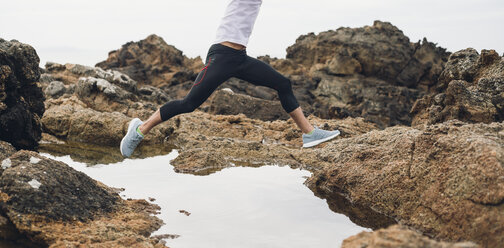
[223, 63]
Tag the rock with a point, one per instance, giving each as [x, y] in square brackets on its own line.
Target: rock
[71, 120]
[153, 94]
[446, 180]
[208, 143]
[55, 89]
[21, 98]
[226, 102]
[150, 61]
[380, 51]
[357, 96]
[55, 205]
[470, 89]
[34, 186]
[398, 236]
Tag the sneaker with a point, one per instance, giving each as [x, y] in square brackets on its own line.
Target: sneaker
[318, 136]
[131, 139]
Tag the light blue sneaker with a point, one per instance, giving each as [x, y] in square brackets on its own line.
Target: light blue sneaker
[132, 138]
[318, 136]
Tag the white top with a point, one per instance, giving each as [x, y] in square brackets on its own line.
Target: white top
[238, 21]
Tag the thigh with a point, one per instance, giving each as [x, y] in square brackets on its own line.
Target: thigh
[259, 73]
[209, 78]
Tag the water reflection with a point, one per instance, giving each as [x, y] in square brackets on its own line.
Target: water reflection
[359, 214]
[267, 206]
[93, 154]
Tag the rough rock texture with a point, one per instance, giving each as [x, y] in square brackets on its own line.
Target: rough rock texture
[445, 180]
[372, 72]
[229, 103]
[471, 89]
[153, 62]
[55, 205]
[71, 120]
[357, 96]
[398, 236]
[101, 90]
[21, 98]
[381, 51]
[209, 143]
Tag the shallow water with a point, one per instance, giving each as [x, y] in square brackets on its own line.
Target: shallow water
[266, 206]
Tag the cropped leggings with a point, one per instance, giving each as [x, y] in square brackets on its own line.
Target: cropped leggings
[223, 63]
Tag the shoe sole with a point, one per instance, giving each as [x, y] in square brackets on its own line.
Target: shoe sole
[122, 141]
[316, 142]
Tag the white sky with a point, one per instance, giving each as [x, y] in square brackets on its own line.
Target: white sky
[84, 32]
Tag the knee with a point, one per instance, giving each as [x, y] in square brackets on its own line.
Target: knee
[284, 85]
[188, 106]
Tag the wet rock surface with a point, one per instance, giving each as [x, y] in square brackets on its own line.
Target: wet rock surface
[445, 180]
[398, 236]
[471, 89]
[21, 98]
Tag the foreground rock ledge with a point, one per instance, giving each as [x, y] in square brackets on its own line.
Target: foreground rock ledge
[398, 236]
[56, 206]
[445, 180]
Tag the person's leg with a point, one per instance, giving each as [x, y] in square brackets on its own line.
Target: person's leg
[260, 73]
[213, 75]
[205, 84]
[299, 118]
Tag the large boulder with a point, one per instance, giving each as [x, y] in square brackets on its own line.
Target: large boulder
[54, 205]
[151, 61]
[470, 89]
[381, 51]
[446, 180]
[370, 98]
[21, 97]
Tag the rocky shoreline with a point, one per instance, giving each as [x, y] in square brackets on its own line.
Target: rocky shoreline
[422, 139]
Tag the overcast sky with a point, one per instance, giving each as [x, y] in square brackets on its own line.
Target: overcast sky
[83, 32]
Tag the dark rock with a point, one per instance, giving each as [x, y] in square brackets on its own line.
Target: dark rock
[40, 186]
[225, 102]
[21, 98]
[372, 99]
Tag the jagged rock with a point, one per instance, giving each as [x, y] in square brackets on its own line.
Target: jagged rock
[21, 98]
[226, 102]
[358, 96]
[105, 91]
[55, 89]
[381, 51]
[57, 206]
[398, 236]
[470, 89]
[71, 120]
[446, 180]
[150, 61]
[211, 142]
